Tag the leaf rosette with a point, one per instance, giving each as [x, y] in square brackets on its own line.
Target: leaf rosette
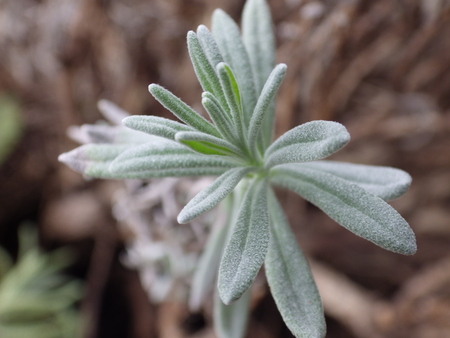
[240, 80]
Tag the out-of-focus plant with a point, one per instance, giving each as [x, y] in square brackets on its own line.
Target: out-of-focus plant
[10, 125]
[240, 80]
[36, 299]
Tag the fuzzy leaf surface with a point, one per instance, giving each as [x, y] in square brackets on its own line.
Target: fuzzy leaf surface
[264, 101]
[291, 282]
[228, 37]
[93, 160]
[308, 142]
[155, 125]
[167, 159]
[182, 110]
[220, 117]
[207, 144]
[351, 206]
[230, 321]
[247, 247]
[213, 194]
[205, 72]
[385, 182]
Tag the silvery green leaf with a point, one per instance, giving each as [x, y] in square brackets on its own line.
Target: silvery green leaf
[289, 276]
[351, 206]
[213, 194]
[228, 37]
[181, 110]
[206, 271]
[155, 125]
[385, 182]
[93, 160]
[207, 144]
[205, 72]
[308, 142]
[259, 40]
[262, 106]
[209, 45]
[230, 321]
[247, 247]
[220, 117]
[167, 159]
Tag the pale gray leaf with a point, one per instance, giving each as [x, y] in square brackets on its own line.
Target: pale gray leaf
[351, 206]
[155, 125]
[181, 110]
[213, 194]
[385, 182]
[220, 117]
[247, 247]
[291, 282]
[308, 142]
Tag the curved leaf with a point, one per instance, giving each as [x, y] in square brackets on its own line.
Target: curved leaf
[385, 182]
[289, 276]
[213, 194]
[155, 125]
[308, 142]
[220, 117]
[351, 206]
[167, 159]
[181, 110]
[264, 100]
[247, 247]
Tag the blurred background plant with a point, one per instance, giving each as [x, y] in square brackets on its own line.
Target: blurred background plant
[381, 68]
[36, 299]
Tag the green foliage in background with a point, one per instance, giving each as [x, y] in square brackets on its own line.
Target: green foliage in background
[36, 300]
[10, 125]
[239, 78]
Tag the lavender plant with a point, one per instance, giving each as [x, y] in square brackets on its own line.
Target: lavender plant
[240, 80]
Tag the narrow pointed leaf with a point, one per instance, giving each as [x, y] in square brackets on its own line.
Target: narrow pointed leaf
[181, 110]
[264, 100]
[207, 144]
[232, 95]
[167, 159]
[385, 182]
[111, 111]
[213, 194]
[247, 247]
[308, 142]
[257, 34]
[205, 72]
[229, 40]
[209, 45]
[220, 117]
[291, 282]
[230, 321]
[155, 125]
[93, 160]
[351, 206]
